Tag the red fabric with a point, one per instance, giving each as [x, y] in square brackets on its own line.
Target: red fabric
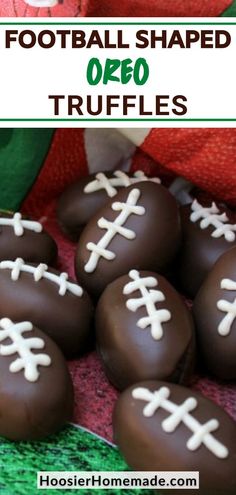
[123, 8]
[157, 8]
[66, 161]
[207, 157]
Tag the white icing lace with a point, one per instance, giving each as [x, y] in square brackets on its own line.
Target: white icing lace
[120, 179]
[23, 347]
[20, 225]
[113, 228]
[181, 414]
[212, 217]
[39, 272]
[229, 308]
[149, 299]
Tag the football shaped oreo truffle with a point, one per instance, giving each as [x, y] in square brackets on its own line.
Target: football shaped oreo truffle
[215, 316]
[208, 232]
[25, 238]
[139, 229]
[159, 426]
[36, 392]
[144, 331]
[81, 200]
[51, 301]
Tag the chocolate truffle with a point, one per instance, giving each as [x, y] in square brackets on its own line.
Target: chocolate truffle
[160, 426]
[50, 300]
[215, 316]
[138, 229]
[36, 391]
[81, 200]
[208, 232]
[144, 331]
[25, 238]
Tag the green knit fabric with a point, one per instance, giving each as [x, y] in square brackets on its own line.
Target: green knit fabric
[22, 154]
[73, 449]
[231, 11]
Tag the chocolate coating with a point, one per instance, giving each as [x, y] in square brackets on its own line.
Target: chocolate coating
[34, 410]
[156, 237]
[200, 250]
[34, 247]
[66, 319]
[130, 353]
[76, 207]
[219, 351]
[146, 446]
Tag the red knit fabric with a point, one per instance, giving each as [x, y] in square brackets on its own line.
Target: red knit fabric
[207, 157]
[66, 162]
[123, 8]
[157, 8]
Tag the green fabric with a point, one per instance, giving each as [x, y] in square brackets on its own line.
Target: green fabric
[231, 11]
[22, 154]
[73, 449]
